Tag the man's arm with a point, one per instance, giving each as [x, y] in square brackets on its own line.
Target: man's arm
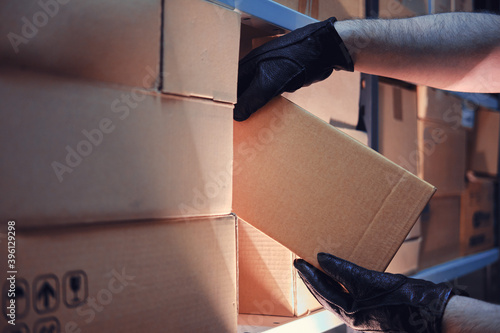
[468, 315]
[452, 51]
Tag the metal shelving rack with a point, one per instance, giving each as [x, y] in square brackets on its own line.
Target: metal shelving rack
[272, 17]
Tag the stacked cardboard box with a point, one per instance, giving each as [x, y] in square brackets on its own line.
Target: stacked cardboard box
[119, 143]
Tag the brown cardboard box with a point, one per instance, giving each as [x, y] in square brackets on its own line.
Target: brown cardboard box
[485, 138]
[402, 8]
[406, 259]
[440, 231]
[200, 49]
[477, 232]
[442, 156]
[79, 152]
[268, 282]
[398, 139]
[442, 141]
[126, 277]
[462, 5]
[312, 188]
[121, 42]
[324, 9]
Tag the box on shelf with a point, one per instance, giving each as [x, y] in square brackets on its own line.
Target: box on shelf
[442, 141]
[127, 277]
[406, 259]
[484, 143]
[402, 8]
[200, 49]
[324, 9]
[440, 231]
[268, 282]
[477, 232]
[121, 42]
[80, 152]
[398, 139]
[462, 5]
[314, 189]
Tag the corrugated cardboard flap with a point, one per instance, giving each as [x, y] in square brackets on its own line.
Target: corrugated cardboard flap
[314, 189]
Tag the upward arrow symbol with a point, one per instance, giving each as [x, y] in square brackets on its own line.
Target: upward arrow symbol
[45, 292]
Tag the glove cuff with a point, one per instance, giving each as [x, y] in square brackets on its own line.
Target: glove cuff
[344, 60]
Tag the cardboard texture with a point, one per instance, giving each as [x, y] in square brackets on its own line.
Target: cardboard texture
[127, 277]
[312, 188]
[485, 138]
[201, 44]
[87, 153]
[268, 282]
[406, 259]
[477, 232]
[324, 9]
[402, 8]
[440, 231]
[398, 138]
[360, 136]
[111, 41]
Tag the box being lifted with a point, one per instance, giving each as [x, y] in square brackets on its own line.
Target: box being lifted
[314, 189]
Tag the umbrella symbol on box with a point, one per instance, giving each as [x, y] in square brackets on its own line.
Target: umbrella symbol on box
[21, 296]
[46, 293]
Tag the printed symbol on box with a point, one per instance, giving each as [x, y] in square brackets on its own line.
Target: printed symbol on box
[19, 328]
[46, 293]
[75, 288]
[47, 325]
[21, 295]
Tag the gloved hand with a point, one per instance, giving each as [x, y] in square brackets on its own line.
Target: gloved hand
[299, 58]
[372, 301]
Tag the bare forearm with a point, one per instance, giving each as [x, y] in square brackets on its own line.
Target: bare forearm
[468, 315]
[454, 51]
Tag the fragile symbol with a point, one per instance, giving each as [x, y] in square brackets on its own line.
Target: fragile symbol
[75, 288]
[46, 293]
[47, 325]
[21, 296]
[19, 328]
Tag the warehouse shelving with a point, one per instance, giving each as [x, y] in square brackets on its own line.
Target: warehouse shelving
[274, 18]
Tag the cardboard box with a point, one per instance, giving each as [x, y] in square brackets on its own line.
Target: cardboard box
[268, 282]
[440, 231]
[360, 136]
[398, 138]
[485, 138]
[126, 277]
[462, 5]
[122, 42]
[312, 188]
[442, 157]
[80, 153]
[200, 49]
[324, 9]
[402, 8]
[406, 259]
[442, 141]
[477, 232]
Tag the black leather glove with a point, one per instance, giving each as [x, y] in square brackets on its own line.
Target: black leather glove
[371, 301]
[297, 59]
